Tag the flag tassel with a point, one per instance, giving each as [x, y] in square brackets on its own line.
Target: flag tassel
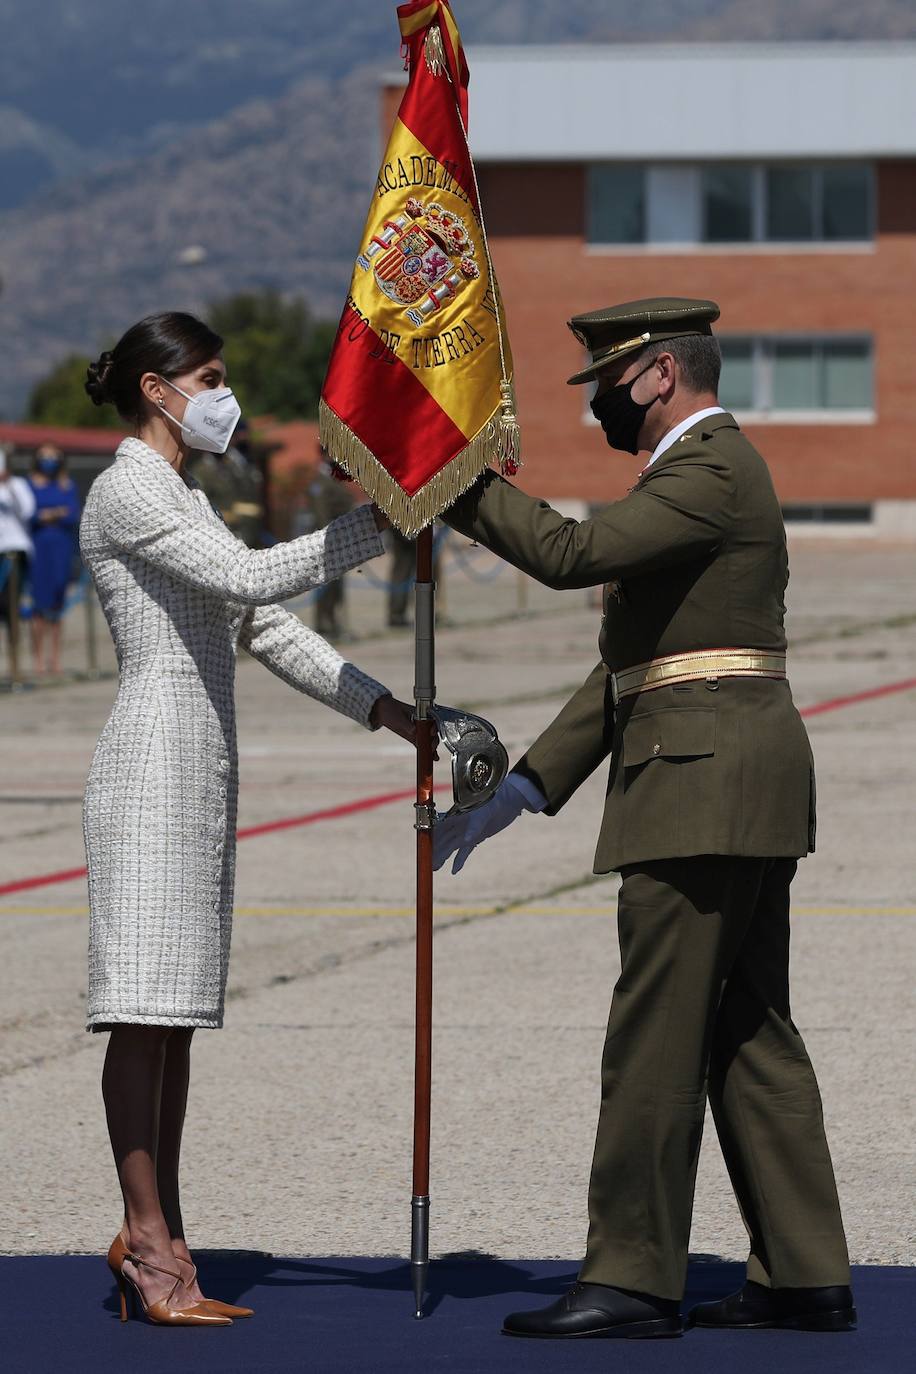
[434, 50]
[508, 433]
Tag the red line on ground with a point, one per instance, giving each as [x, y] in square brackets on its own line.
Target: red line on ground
[65, 876]
[333, 813]
[908, 685]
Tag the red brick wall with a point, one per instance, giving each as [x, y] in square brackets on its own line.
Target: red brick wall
[547, 274]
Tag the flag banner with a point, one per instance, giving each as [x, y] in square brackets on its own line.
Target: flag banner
[418, 396]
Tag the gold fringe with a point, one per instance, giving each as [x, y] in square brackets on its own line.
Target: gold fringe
[410, 514]
[434, 50]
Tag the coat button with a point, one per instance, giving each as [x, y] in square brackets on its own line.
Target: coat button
[656, 749]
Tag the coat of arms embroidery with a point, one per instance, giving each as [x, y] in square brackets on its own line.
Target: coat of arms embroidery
[422, 258]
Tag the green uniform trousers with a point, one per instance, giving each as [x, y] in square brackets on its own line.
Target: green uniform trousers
[702, 1008]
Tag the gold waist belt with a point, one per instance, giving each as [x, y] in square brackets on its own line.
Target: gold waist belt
[700, 666]
[246, 508]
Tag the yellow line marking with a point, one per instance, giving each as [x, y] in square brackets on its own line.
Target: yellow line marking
[461, 911]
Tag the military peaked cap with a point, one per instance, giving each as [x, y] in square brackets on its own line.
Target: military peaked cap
[619, 329]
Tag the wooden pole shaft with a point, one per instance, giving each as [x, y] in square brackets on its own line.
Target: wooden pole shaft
[424, 698]
[423, 1049]
[424, 695]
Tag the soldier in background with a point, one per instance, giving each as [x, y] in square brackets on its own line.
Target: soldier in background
[233, 484]
[402, 577]
[327, 498]
[401, 573]
[246, 516]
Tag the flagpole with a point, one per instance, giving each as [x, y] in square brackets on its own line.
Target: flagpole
[424, 697]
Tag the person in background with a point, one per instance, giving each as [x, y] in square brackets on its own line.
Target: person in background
[233, 485]
[402, 578]
[17, 506]
[401, 573]
[246, 515]
[327, 499]
[54, 525]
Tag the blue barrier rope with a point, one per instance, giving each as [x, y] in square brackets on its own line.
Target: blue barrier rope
[381, 584]
[464, 559]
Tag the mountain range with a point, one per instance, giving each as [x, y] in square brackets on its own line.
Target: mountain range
[173, 154]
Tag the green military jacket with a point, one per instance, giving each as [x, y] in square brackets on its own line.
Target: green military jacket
[693, 558]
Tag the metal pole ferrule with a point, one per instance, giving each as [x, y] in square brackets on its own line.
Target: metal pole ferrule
[419, 1249]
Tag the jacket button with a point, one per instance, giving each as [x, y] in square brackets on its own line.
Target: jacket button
[656, 749]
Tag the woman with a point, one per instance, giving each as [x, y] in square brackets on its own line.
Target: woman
[17, 506]
[57, 513]
[180, 593]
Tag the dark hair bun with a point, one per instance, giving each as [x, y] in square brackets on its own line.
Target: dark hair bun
[169, 345]
[97, 375]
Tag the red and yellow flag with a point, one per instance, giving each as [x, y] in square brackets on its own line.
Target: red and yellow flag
[418, 394]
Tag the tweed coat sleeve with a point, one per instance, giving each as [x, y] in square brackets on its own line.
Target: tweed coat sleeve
[142, 517]
[574, 743]
[304, 660]
[679, 511]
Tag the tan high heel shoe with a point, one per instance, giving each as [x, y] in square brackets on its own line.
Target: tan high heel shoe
[159, 1313]
[220, 1309]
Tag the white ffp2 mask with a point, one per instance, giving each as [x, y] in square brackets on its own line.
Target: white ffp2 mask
[210, 417]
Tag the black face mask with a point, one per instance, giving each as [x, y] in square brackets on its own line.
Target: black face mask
[620, 416]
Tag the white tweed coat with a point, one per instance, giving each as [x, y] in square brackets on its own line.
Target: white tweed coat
[179, 593]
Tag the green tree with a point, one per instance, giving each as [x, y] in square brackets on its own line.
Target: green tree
[60, 399]
[276, 353]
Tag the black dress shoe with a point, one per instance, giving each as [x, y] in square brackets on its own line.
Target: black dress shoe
[595, 1309]
[796, 1309]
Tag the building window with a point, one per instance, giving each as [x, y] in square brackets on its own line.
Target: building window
[616, 203]
[846, 201]
[790, 197]
[791, 376]
[845, 514]
[730, 203]
[736, 387]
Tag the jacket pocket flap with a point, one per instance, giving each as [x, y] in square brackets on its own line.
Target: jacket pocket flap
[674, 732]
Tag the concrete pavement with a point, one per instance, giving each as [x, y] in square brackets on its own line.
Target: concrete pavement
[298, 1137]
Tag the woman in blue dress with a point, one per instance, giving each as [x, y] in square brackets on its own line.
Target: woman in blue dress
[54, 526]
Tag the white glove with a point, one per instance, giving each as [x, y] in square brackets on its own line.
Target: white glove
[461, 833]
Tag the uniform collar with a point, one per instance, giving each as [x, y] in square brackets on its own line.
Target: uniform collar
[716, 419]
[674, 434]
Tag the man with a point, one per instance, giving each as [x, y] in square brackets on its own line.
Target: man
[327, 499]
[401, 572]
[710, 803]
[246, 515]
[233, 485]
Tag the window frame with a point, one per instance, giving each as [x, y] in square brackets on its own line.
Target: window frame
[762, 358]
[759, 242]
[762, 412]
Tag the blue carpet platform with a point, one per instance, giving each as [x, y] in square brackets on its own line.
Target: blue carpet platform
[340, 1316]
